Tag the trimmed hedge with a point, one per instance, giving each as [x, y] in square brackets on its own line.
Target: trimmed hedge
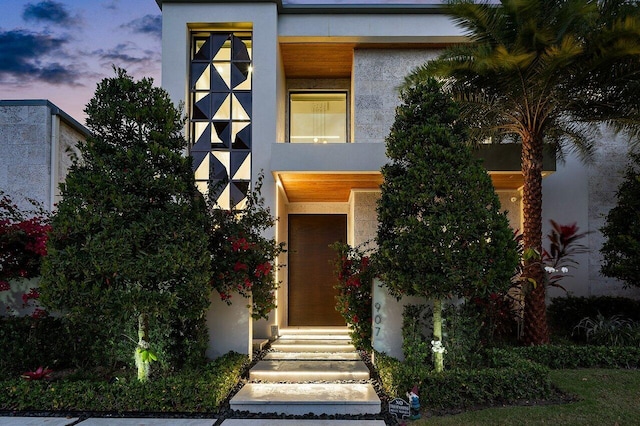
[574, 356]
[197, 390]
[506, 379]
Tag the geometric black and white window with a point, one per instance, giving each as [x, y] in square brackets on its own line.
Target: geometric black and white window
[220, 115]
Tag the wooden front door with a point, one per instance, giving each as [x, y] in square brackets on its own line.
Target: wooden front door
[311, 276]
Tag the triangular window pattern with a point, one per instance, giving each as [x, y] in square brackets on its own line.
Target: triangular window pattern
[220, 82]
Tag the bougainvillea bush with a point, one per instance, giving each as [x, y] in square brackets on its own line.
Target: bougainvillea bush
[23, 238]
[354, 273]
[243, 260]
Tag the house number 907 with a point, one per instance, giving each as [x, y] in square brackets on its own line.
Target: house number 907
[378, 318]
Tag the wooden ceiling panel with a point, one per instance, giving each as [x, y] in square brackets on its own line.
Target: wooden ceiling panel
[326, 187]
[507, 180]
[317, 60]
[336, 187]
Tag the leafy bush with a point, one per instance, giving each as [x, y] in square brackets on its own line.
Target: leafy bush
[500, 382]
[201, 390]
[573, 356]
[608, 331]
[621, 250]
[353, 301]
[462, 328]
[128, 242]
[566, 312]
[243, 260]
[28, 343]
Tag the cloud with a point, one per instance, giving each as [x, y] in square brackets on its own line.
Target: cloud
[125, 55]
[111, 5]
[23, 56]
[51, 12]
[148, 24]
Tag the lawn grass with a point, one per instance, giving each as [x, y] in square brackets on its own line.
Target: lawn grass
[605, 397]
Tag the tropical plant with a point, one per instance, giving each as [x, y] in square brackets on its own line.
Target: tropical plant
[128, 242]
[354, 274]
[243, 260]
[440, 230]
[621, 249]
[542, 72]
[608, 331]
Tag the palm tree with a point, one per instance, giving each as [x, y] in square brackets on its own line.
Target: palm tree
[543, 73]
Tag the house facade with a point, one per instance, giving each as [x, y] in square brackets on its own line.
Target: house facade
[305, 92]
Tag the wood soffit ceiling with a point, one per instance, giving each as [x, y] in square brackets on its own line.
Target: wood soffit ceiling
[336, 187]
[328, 60]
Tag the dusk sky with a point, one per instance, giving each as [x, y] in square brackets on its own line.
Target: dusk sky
[60, 49]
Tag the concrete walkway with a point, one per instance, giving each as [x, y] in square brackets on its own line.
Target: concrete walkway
[62, 421]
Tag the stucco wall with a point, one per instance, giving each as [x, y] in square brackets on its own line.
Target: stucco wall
[25, 153]
[604, 177]
[376, 75]
[364, 217]
[68, 139]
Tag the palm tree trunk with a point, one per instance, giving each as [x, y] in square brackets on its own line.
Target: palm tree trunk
[535, 310]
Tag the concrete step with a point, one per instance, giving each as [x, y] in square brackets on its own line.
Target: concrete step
[310, 336]
[302, 356]
[312, 345]
[303, 371]
[299, 399]
[314, 330]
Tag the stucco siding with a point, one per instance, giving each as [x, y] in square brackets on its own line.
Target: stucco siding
[377, 74]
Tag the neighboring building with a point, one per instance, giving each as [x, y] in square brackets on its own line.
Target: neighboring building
[37, 143]
[306, 92]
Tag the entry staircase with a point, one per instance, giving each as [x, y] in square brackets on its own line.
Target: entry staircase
[310, 371]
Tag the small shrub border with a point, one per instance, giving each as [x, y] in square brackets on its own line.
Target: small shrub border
[574, 356]
[503, 381]
[194, 390]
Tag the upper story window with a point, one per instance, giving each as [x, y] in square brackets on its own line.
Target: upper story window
[318, 117]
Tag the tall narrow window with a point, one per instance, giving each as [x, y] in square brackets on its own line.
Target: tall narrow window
[318, 117]
[220, 115]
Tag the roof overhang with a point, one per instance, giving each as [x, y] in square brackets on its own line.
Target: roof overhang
[329, 172]
[354, 6]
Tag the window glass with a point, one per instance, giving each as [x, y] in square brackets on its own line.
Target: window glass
[318, 117]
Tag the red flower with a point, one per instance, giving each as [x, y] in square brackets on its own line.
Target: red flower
[40, 373]
[263, 269]
[239, 266]
[39, 313]
[4, 286]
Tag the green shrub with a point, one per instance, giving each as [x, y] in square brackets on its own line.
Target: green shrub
[461, 331]
[193, 390]
[574, 356]
[566, 312]
[28, 343]
[503, 381]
